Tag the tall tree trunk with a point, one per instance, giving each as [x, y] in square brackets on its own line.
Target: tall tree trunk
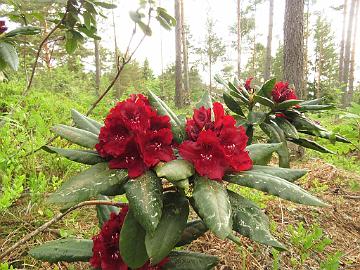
[342, 43]
[238, 45]
[306, 48]
[117, 86]
[47, 54]
[294, 44]
[179, 90]
[97, 67]
[319, 60]
[269, 41]
[353, 53]
[345, 77]
[185, 55]
[254, 41]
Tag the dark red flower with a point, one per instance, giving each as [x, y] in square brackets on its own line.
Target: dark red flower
[106, 253]
[281, 92]
[3, 28]
[247, 84]
[215, 147]
[280, 115]
[135, 137]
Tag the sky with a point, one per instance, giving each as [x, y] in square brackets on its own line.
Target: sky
[196, 12]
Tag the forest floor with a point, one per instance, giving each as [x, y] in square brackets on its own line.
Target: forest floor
[304, 230]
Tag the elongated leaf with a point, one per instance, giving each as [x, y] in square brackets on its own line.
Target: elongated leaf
[132, 242]
[287, 127]
[105, 5]
[290, 175]
[83, 122]
[163, 109]
[313, 101]
[8, 55]
[261, 153]
[232, 104]
[186, 260]
[171, 226]
[256, 118]
[287, 104]
[302, 123]
[175, 170]
[213, 206]
[193, 230]
[205, 100]
[275, 186]
[145, 199]
[103, 212]
[82, 156]
[88, 184]
[326, 135]
[23, 30]
[264, 101]
[304, 107]
[266, 88]
[64, 250]
[250, 221]
[311, 145]
[79, 136]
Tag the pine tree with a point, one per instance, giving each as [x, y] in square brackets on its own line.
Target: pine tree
[267, 70]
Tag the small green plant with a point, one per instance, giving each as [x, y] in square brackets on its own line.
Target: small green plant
[332, 261]
[307, 241]
[6, 266]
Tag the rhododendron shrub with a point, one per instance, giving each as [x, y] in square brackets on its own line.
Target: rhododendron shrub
[280, 114]
[164, 166]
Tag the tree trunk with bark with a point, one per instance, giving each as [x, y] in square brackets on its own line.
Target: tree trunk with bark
[293, 67]
[267, 70]
[342, 43]
[238, 45]
[306, 48]
[179, 89]
[97, 66]
[345, 77]
[352, 60]
[185, 55]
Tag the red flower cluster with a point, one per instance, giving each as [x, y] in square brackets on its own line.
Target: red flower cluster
[106, 254]
[3, 28]
[215, 147]
[281, 92]
[247, 84]
[135, 137]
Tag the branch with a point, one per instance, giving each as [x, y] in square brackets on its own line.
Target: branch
[46, 225]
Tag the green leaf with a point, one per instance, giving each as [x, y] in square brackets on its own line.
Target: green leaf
[8, 55]
[87, 19]
[79, 136]
[264, 101]
[23, 30]
[312, 101]
[266, 88]
[193, 230]
[71, 42]
[169, 231]
[88, 184]
[182, 184]
[83, 122]
[64, 250]
[145, 199]
[287, 127]
[212, 205]
[232, 104]
[256, 118]
[287, 104]
[302, 123]
[205, 101]
[186, 260]
[163, 109]
[250, 221]
[166, 20]
[262, 153]
[175, 170]
[132, 242]
[311, 145]
[305, 108]
[276, 135]
[290, 175]
[326, 135]
[82, 156]
[103, 212]
[145, 28]
[275, 186]
[105, 5]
